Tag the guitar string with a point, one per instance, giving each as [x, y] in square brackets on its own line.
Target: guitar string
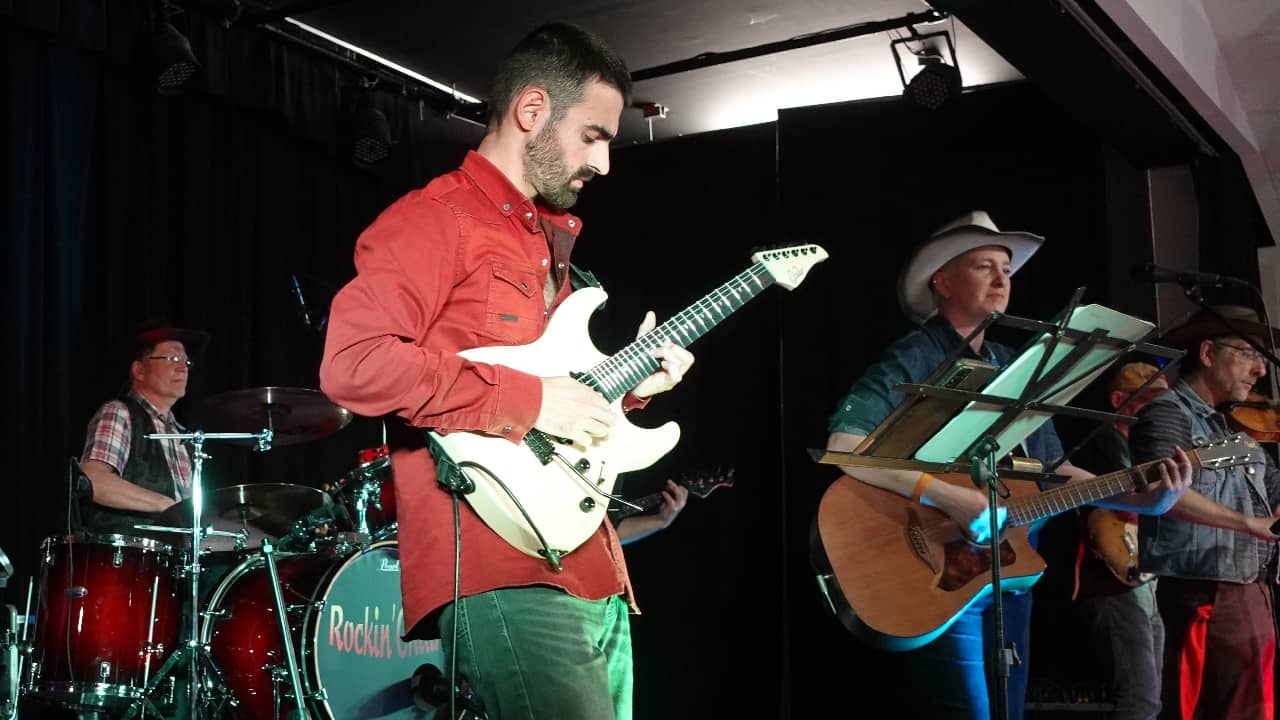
[628, 366]
[1030, 509]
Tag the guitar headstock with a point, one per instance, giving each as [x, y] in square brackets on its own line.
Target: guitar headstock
[702, 484]
[789, 265]
[1238, 449]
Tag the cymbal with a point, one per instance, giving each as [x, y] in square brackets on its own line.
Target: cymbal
[267, 507]
[294, 415]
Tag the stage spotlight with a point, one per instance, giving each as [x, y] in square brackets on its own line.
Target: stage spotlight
[170, 59]
[372, 135]
[935, 82]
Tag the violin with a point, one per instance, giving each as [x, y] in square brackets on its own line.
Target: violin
[1258, 415]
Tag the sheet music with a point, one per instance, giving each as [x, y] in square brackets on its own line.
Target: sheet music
[961, 432]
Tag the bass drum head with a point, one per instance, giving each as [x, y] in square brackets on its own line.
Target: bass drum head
[352, 662]
[355, 649]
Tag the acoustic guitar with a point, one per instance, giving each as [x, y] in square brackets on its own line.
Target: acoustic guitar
[898, 573]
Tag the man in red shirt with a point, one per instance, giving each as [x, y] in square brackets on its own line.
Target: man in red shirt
[480, 256]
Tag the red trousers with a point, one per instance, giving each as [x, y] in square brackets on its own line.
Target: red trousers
[1220, 645]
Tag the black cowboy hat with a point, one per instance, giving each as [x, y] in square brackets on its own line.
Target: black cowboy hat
[1203, 325]
[152, 332]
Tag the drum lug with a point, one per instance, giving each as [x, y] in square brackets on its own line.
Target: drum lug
[117, 558]
[316, 605]
[104, 671]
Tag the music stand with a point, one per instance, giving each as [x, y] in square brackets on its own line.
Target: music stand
[1050, 370]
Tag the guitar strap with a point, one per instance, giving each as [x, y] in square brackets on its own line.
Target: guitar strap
[582, 278]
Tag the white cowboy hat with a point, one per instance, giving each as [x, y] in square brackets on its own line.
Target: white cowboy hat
[967, 232]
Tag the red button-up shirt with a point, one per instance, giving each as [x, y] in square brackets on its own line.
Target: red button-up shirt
[458, 264]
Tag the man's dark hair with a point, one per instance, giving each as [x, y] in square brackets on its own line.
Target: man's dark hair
[561, 59]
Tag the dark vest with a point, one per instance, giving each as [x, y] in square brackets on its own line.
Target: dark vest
[146, 467]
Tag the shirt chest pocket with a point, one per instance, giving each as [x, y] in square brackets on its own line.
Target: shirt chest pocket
[514, 307]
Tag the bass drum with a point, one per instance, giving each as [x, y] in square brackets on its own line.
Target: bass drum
[346, 620]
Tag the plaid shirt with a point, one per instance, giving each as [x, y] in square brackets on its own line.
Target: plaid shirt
[110, 433]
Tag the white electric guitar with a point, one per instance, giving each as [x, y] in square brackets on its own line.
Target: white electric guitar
[546, 496]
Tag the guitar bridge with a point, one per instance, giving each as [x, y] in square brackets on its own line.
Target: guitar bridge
[920, 545]
[541, 445]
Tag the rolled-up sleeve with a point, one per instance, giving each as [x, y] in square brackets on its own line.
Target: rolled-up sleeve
[384, 353]
[872, 396]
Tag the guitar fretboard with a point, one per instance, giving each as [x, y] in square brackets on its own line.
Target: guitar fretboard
[1071, 495]
[624, 370]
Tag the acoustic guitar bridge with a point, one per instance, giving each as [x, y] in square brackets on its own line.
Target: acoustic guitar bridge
[919, 544]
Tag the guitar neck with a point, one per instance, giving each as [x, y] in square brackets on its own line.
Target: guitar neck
[624, 370]
[1071, 495]
[645, 504]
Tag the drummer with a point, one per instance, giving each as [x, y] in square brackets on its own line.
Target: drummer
[131, 477]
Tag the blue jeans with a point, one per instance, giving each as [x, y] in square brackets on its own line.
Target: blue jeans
[535, 653]
[950, 677]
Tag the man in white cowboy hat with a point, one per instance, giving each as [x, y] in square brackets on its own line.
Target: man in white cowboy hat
[1214, 551]
[960, 275]
[132, 477]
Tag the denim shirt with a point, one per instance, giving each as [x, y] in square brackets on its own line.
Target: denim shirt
[911, 359]
[1176, 548]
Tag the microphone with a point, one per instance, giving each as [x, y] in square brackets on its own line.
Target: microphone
[1155, 274]
[302, 303]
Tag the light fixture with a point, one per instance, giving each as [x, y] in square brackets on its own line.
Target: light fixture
[935, 82]
[463, 97]
[169, 59]
[371, 133]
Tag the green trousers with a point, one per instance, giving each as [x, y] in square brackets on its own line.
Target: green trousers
[536, 653]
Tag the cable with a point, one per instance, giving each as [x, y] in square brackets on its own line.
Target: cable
[553, 556]
[457, 583]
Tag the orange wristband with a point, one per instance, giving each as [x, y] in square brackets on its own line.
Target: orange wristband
[923, 482]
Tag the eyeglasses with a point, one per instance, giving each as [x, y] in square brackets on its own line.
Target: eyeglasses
[175, 359]
[1249, 354]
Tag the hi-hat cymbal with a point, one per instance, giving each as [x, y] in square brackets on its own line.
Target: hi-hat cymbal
[267, 507]
[294, 415]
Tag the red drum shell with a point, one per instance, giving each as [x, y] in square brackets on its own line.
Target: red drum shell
[90, 646]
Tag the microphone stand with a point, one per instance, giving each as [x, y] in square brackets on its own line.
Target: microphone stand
[982, 464]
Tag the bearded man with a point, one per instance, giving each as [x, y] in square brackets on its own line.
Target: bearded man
[480, 256]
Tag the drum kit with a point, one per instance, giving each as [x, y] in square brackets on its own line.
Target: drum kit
[290, 606]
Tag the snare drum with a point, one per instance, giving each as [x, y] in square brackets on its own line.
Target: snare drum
[108, 614]
[368, 496]
[345, 620]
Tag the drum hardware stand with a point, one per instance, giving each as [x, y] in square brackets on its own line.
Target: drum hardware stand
[193, 651]
[14, 645]
[290, 657]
